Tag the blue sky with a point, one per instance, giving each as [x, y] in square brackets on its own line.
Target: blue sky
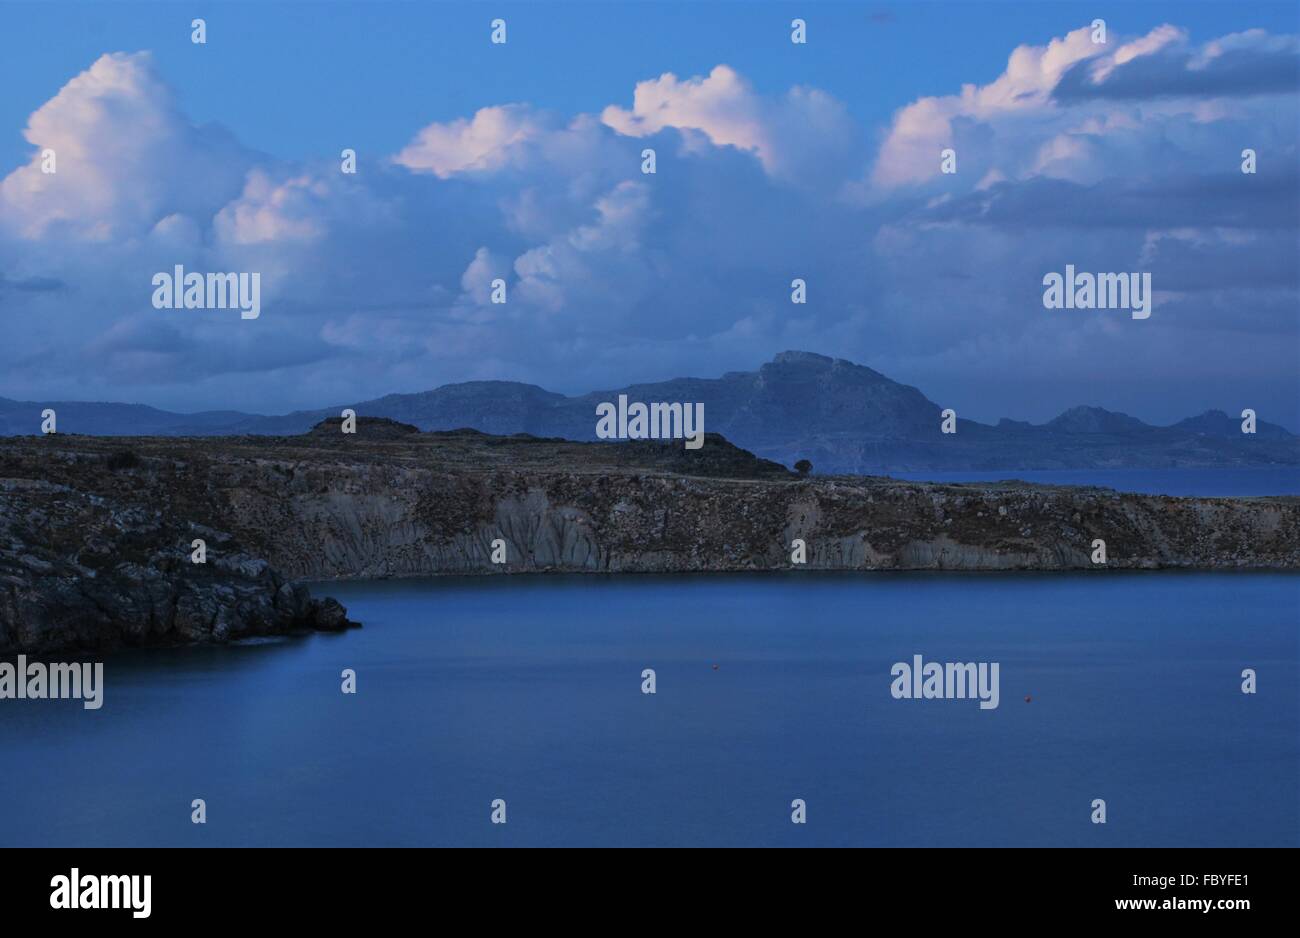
[293, 79]
[792, 161]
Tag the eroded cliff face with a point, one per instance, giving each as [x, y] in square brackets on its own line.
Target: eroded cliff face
[386, 521]
[79, 570]
[96, 533]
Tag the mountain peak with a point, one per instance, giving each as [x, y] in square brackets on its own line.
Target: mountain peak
[801, 358]
[1086, 419]
[1211, 423]
[823, 366]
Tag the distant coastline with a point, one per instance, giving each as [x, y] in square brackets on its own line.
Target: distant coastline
[843, 417]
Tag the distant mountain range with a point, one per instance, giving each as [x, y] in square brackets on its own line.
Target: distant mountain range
[844, 418]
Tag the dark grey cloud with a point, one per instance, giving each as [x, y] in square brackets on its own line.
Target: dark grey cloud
[1230, 200]
[1203, 262]
[1177, 72]
[31, 284]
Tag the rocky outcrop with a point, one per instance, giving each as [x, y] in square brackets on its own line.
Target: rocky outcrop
[80, 570]
[96, 533]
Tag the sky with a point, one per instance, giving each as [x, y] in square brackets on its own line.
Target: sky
[774, 161]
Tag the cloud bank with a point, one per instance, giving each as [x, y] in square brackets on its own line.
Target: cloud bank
[1112, 157]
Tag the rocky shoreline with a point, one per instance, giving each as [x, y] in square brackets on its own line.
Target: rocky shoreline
[96, 533]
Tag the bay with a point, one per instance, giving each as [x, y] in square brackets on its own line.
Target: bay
[528, 689]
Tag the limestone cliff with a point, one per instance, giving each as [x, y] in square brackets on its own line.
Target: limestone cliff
[96, 533]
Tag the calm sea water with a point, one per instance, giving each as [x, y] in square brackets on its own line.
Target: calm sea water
[1282, 480]
[529, 689]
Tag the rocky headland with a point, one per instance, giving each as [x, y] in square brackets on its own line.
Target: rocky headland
[97, 533]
